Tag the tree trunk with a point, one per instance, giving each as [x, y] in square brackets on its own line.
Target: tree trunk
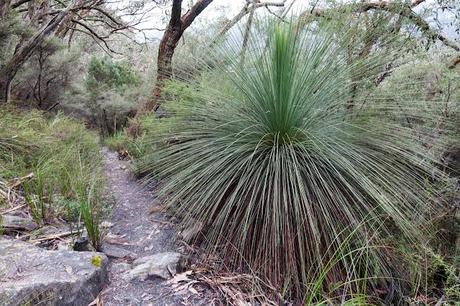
[5, 88]
[9, 70]
[5, 81]
[247, 33]
[173, 33]
[164, 64]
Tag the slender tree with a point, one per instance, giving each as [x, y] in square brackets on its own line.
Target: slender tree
[175, 29]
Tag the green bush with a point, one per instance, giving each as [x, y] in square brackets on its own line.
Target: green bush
[104, 73]
[119, 141]
[9, 146]
[289, 180]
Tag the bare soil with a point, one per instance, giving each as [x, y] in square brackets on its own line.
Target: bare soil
[133, 228]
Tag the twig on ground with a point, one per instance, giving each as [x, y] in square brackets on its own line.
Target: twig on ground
[19, 181]
[14, 209]
[52, 237]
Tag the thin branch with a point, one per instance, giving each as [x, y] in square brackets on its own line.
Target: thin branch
[244, 11]
[19, 3]
[94, 34]
[391, 7]
[100, 10]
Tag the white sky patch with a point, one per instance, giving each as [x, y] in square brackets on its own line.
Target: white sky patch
[154, 22]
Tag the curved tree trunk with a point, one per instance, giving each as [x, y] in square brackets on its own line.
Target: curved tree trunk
[173, 33]
[5, 88]
[166, 50]
[9, 70]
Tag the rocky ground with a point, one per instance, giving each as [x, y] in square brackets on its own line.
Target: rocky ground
[142, 261]
[30, 275]
[142, 247]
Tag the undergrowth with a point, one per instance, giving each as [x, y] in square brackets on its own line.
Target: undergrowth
[151, 126]
[57, 169]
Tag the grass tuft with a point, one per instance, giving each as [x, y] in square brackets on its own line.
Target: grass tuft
[57, 165]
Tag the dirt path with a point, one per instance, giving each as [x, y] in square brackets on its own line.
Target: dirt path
[134, 231]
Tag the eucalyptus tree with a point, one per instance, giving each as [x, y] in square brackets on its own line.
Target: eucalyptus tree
[178, 23]
[35, 22]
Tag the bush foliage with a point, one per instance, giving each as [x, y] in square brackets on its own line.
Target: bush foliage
[105, 73]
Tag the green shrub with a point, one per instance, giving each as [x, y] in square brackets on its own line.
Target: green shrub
[104, 73]
[37, 193]
[9, 146]
[284, 175]
[90, 200]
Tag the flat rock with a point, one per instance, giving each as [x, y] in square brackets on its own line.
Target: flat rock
[30, 275]
[157, 265]
[15, 223]
[117, 252]
[120, 267]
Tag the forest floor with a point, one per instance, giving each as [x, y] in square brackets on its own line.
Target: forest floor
[139, 228]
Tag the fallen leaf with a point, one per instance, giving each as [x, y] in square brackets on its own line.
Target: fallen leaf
[192, 290]
[181, 277]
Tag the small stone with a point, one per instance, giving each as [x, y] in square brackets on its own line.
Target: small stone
[69, 270]
[82, 245]
[157, 265]
[64, 246]
[117, 252]
[149, 248]
[106, 224]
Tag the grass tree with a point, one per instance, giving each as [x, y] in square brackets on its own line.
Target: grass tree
[284, 179]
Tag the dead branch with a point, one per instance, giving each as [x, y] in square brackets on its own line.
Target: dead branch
[247, 8]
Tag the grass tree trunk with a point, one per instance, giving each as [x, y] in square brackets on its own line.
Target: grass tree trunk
[173, 33]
